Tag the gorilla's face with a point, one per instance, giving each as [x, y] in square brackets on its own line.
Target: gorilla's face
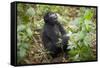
[50, 18]
[53, 17]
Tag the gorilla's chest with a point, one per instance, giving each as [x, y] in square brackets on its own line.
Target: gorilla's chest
[56, 31]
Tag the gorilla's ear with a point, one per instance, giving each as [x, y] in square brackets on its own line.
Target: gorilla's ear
[46, 15]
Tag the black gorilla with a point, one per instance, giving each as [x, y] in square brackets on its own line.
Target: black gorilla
[54, 36]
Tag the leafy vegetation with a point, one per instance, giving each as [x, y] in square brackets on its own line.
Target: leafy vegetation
[79, 22]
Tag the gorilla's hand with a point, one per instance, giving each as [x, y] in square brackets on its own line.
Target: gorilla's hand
[65, 39]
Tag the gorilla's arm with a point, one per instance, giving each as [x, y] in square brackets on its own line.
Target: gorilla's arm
[65, 38]
[63, 32]
[52, 45]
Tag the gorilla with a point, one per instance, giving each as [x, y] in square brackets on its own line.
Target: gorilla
[54, 37]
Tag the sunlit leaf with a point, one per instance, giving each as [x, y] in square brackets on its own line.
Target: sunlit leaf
[87, 25]
[21, 27]
[81, 35]
[88, 14]
[30, 12]
[29, 32]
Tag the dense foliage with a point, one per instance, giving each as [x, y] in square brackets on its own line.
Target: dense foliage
[79, 22]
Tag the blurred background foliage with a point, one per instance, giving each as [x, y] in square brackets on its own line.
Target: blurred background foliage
[79, 23]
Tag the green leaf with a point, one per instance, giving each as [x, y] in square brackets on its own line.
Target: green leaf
[22, 49]
[22, 52]
[30, 12]
[21, 27]
[76, 57]
[73, 52]
[87, 25]
[29, 32]
[25, 45]
[88, 14]
[81, 35]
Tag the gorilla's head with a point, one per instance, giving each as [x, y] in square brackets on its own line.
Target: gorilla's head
[50, 18]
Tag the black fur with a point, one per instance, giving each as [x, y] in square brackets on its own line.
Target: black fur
[52, 32]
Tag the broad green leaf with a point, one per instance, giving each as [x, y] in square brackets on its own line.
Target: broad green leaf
[88, 14]
[87, 25]
[22, 52]
[29, 32]
[30, 12]
[81, 35]
[21, 27]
